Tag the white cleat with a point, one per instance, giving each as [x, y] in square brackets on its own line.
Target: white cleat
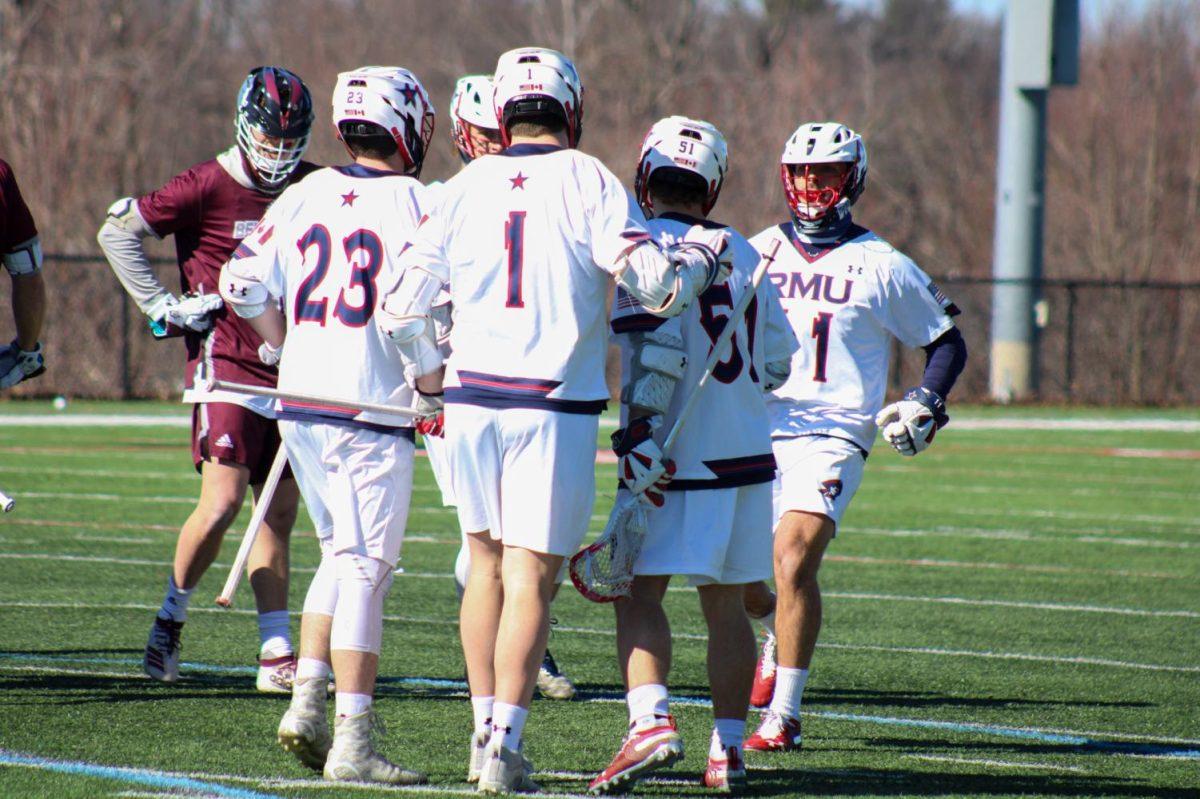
[161, 660]
[551, 682]
[479, 742]
[304, 729]
[276, 673]
[353, 757]
[505, 771]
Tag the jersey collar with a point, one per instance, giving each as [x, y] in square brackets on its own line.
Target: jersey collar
[687, 219]
[531, 149]
[360, 171]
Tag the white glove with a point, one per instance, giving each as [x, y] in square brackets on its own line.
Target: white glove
[269, 355]
[192, 312]
[17, 364]
[718, 242]
[910, 424]
[777, 373]
[640, 463]
[433, 406]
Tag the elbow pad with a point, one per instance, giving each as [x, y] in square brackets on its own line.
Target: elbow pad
[25, 258]
[657, 365]
[247, 298]
[666, 283]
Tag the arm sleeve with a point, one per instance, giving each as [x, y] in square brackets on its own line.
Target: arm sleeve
[120, 238]
[16, 223]
[257, 259]
[913, 309]
[944, 362]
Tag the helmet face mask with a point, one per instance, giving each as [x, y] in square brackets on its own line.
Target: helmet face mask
[475, 129]
[272, 124]
[393, 100]
[689, 145]
[823, 170]
[535, 81]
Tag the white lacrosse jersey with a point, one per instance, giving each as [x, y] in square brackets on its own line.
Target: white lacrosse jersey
[845, 300]
[527, 241]
[324, 248]
[726, 440]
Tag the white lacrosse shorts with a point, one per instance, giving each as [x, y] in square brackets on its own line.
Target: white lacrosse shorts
[714, 536]
[816, 474]
[439, 462]
[528, 476]
[360, 477]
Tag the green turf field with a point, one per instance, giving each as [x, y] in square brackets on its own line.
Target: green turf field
[1011, 614]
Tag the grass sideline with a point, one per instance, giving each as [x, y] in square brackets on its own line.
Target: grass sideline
[1007, 615]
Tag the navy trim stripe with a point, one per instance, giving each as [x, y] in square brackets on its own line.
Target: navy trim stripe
[360, 171]
[318, 418]
[729, 466]
[747, 478]
[494, 399]
[636, 323]
[503, 383]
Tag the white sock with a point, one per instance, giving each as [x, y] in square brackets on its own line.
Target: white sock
[174, 606]
[509, 721]
[768, 623]
[273, 633]
[348, 704]
[647, 700]
[312, 669]
[481, 707]
[726, 733]
[789, 690]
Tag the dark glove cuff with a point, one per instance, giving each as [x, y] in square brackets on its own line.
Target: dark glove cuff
[626, 438]
[935, 404]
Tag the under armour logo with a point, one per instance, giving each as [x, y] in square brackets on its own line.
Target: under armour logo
[831, 489]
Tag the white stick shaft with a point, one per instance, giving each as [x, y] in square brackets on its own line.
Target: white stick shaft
[718, 347]
[6, 502]
[256, 520]
[333, 402]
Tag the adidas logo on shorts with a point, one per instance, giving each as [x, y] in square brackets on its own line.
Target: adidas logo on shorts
[224, 441]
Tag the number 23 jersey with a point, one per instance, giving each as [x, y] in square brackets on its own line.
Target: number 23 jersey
[845, 300]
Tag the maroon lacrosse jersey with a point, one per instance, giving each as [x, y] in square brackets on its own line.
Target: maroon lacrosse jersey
[209, 212]
[16, 223]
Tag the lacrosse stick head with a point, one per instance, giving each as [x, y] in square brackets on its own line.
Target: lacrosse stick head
[603, 572]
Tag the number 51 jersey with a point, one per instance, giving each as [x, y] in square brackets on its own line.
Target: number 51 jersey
[845, 300]
[324, 247]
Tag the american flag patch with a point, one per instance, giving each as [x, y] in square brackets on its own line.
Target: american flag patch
[625, 300]
[941, 299]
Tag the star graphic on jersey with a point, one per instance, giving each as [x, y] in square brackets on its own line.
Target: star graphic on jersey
[519, 181]
[349, 198]
[410, 93]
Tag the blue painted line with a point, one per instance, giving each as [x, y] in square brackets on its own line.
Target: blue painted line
[1066, 739]
[154, 779]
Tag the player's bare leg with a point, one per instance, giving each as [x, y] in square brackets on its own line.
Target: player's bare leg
[479, 620]
[730, 672]
[800, 542]
[644, 652]
[29, 308]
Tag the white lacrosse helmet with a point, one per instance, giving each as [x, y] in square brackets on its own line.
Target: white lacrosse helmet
[471, 104]
[691, 145]
[391, 98]
[823, 143]
[534, 80]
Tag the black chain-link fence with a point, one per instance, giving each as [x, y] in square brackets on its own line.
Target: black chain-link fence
[1101, 342]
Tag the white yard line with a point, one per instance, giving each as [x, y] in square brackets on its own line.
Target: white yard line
[952, 531]
[969, 761]
[1043, 568]
[608, 633]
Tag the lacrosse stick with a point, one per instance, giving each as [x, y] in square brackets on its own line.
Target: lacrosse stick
[603, 572]
[312, 399]
[6, 502]
[225, 600]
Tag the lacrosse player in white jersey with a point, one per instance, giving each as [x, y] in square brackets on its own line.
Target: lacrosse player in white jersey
[476, 133]
[847, 293]
[322, 249]
[529, 242]
[712, 520]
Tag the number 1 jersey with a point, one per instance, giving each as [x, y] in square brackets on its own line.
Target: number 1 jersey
[324, 248]
[845, 301]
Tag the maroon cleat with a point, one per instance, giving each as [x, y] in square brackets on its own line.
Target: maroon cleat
[776, 733]
[727, 775]
[764, 675]
[646, 748]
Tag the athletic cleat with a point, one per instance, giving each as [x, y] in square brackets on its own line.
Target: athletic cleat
[764, 675]
[276, 673]
[161, 660]
[353, 758]
[727, 775]
[776, 733]
[648, 748]
[479, 742]
[552, 683]
[505, 771]
[304, 728]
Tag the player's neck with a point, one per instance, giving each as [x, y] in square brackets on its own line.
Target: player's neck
[559, 139]
[691, 211]
[393, 163]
